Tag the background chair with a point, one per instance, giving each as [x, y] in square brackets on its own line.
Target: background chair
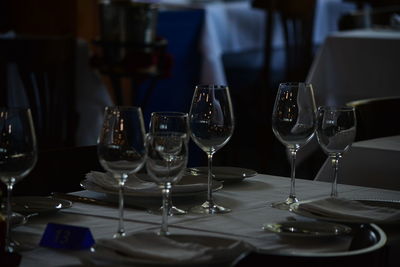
[376, 117]
[45, 65]
[297, 19]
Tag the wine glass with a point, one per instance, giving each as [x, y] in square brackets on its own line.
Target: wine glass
[121, 148]
[293, 123]
[211, 125]
[163, 123]
[336, 130]
[18, 155]
[167, 155]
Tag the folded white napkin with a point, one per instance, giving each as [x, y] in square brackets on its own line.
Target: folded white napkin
[107, 181]
[350, 209]
[170, 250]
[135, 184]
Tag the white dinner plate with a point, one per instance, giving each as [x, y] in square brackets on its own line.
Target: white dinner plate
[296, 208]
[28, 205]
[220, 251]
[223, 173]
[188, 186]
[17, 219]
[307, 229]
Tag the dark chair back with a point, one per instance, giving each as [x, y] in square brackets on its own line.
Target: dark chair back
[377, 117]
[46, 68]
[297, 17]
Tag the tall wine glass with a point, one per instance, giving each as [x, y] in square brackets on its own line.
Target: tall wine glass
[211, 124]
[167, 154]
[336, 130]
[164, 123]
[121, 148]
[293, 123]
[18, 155]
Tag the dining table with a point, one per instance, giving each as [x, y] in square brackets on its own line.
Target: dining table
[356, 64]
[250, 200]
[372, 162]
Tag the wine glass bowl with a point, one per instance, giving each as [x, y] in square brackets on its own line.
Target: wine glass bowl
[121, 148]
[167, 155]
[18, 155]
[336, 130]
[293, 124]
[211, 125]
[174, 125]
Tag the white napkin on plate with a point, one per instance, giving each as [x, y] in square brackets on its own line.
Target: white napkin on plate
[135, 184]
[350, 209]
[169, 250]
[107, 181]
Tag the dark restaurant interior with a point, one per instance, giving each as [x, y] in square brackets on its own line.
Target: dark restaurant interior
[67, 60]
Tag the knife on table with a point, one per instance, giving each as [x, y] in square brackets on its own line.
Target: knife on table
[93, 201]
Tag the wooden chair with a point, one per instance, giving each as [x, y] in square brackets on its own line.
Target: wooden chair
[297, 19]
[376, 117]
[46, 68]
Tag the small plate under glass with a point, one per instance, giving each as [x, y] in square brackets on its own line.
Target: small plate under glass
[222, 173]
[307, 229]
[28, 205]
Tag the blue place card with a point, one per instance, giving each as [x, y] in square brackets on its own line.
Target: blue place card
[66, 237]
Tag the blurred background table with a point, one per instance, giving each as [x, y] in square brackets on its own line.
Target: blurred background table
[372, 163]
[357, 64]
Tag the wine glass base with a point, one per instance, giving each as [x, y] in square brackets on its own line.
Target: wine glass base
[173, 211]
[119, 234]
[207, 208]
[285, 205]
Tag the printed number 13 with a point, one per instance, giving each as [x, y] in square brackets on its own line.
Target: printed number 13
[62, 236]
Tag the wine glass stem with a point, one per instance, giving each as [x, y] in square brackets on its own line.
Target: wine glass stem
[164, 223]
[210, 180]
[292, 194]
[169, 196]
[335, 166]
[121, 229]
[8, 246]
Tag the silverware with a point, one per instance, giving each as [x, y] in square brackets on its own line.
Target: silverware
[89, 200]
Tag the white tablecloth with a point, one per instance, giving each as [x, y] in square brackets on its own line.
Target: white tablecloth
[250, 202]
[373, 163]
[234, 26]
[355, 65]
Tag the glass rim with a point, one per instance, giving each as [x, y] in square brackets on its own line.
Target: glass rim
[123, 107]
[169, 114]
[294, 83]
[212, 86]
[336, 108]
[15, 108]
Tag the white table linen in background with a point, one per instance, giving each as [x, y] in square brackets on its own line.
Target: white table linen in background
[373, 163]
[358, 64]
[250, 202]
[235, 26]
